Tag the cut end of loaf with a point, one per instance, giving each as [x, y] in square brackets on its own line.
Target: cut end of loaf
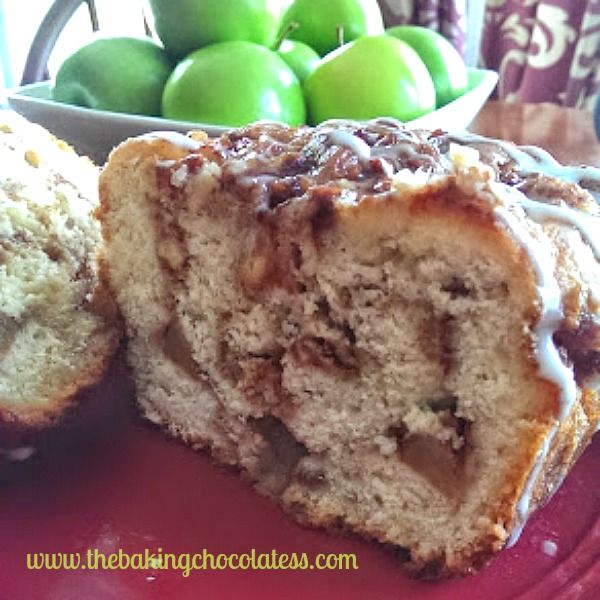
[358, 334]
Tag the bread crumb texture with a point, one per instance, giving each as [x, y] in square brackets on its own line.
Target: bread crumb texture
[54, 334]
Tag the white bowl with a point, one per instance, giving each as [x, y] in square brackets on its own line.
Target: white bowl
[96, 132]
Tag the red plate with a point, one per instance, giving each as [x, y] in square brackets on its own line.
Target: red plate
[125, 485]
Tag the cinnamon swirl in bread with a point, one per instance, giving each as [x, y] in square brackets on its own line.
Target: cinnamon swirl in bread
[390, 331]
[57, 321]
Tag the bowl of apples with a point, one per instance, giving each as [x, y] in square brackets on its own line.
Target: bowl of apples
[214, 66]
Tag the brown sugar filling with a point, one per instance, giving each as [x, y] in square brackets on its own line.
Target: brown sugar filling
[324, 354]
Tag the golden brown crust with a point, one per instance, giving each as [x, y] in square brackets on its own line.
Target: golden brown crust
[38, 414]
[20, 424]
[573, 437]
[95, 412]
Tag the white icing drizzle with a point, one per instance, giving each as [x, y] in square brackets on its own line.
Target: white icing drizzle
[550, 364]
[338, 132]
[177, 139]
[166, 164]
[406, 149]
[542, 212]
[540, 155]
[388, 169]
[536, 160]
[351, 141]
[263, 180]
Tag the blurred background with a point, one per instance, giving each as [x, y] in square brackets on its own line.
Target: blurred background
[544, 50]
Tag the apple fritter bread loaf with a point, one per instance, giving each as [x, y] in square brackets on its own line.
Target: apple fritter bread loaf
[58, 325]
[394, 332]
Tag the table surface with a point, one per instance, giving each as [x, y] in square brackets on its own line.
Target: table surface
[566, 133]
[129, 487]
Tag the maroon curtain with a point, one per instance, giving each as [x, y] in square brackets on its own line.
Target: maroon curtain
[544, 50]
[448, 17]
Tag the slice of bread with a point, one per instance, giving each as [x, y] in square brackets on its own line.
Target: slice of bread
[388, 331]
[58, 324]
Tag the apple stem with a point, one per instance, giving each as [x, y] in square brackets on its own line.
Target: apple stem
[339, 30]
[283, 34]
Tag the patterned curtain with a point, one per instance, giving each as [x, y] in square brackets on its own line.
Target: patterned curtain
[446, 16]
[544, 50]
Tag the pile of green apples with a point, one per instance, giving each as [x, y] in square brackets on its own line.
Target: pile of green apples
[233, 62]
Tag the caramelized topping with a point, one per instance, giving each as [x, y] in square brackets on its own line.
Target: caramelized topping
[271, 164]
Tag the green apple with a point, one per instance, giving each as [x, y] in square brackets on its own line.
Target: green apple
[232, 84]
[377, 76]
[302, 59]
[119, 74]
[319, 20]
[444, 63]
[186, 25]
